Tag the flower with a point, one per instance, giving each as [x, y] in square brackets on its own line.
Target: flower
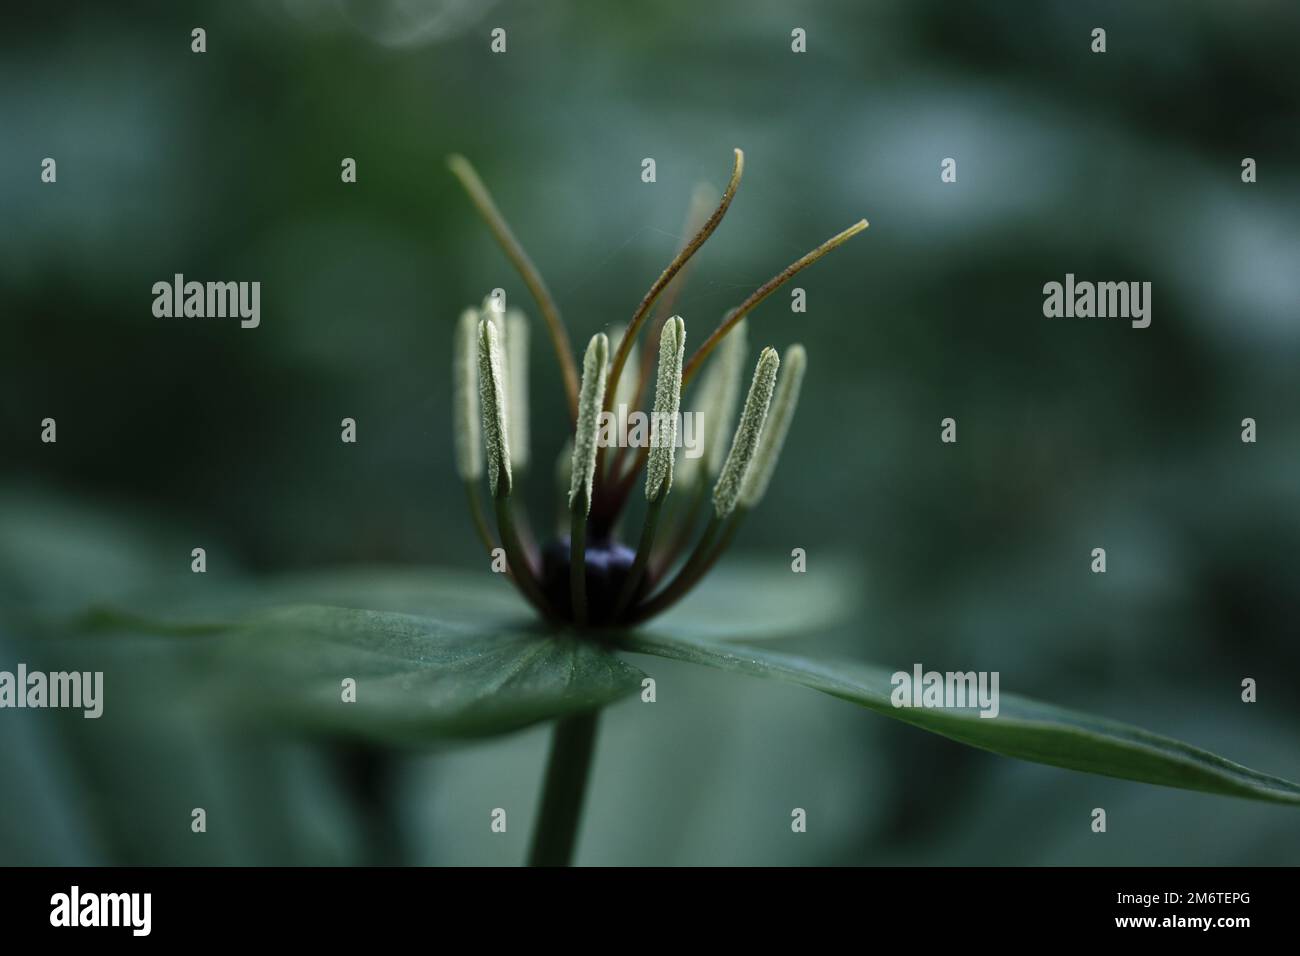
[590, 578]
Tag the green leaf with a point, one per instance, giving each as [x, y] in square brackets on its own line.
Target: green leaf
[1023, 728]
[121, 782]
[452, 597]
[759, 600]
[419, 679]
[436, 654]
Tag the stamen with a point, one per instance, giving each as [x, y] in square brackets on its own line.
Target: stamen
[491, 388]
[495, 434]
[668, 400]
[778, 425]
[663, 441]
[595, 365]
[717, 408]
[727, 491]
[466, 420]
[517, 385]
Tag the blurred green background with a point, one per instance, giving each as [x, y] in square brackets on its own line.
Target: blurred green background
[1073, 433]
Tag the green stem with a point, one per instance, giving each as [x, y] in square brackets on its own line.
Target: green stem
[684, 577]
[623, 486]
[578, 563]
[697, 566]
[476, 513]
[643, 549]
[565, 788]
[683, 536]
[517, 561]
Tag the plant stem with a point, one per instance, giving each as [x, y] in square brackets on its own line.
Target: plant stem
[685, 577]
[643, 549]
[685, 527]
[565, 788]
[476, 513]
[578, 563]
[728, 535]
[625, 481]
[517, 562]
[702, 559]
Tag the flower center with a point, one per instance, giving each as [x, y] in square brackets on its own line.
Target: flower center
[608, 564]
